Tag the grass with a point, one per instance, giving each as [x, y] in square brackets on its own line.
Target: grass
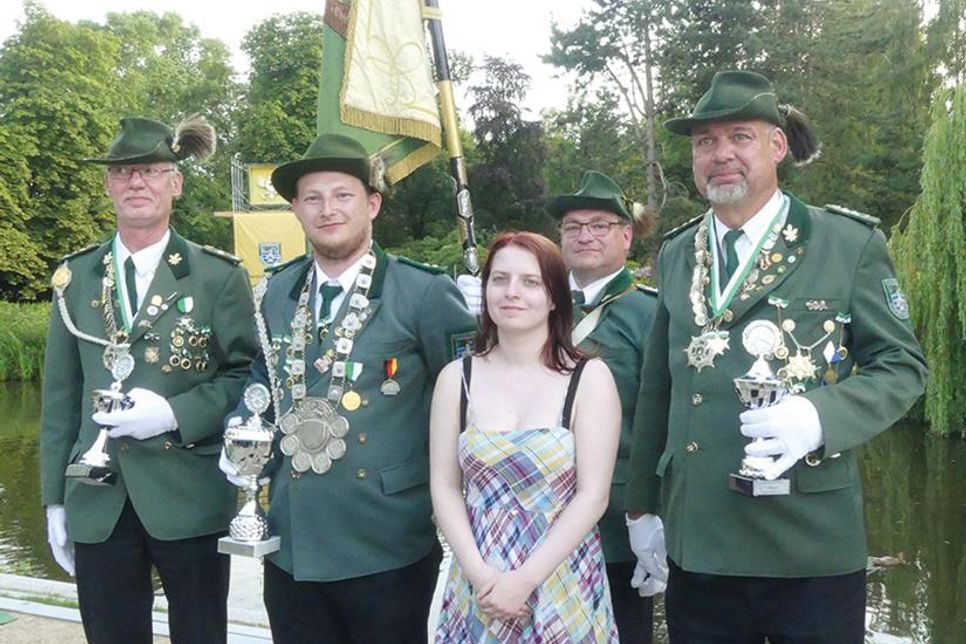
[23, 337]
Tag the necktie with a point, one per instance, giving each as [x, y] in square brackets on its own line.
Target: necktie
[132, 287]
[731, 255]
[328, 292]
[579, 300]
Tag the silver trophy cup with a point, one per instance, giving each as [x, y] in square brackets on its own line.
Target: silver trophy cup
[93, 467]
[248, 446]
[756, 389]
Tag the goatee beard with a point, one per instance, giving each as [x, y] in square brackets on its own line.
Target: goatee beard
[727, 194]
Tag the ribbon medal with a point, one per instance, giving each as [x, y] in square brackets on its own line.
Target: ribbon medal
[351, 400]
[389, 386]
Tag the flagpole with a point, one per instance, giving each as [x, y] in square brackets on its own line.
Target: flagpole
[451, 134]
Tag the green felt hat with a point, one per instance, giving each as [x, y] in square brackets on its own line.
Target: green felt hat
[597, 192]
[144, 140]
[329, 152]
[733, 96]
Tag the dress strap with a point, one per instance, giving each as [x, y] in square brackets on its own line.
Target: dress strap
[465, 389]
[572, 393]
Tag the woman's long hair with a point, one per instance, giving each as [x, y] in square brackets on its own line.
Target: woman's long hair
[559, 352]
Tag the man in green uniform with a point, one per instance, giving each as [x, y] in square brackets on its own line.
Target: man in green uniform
[170, 322]
[612, 319]
[809, 297]
[353, 341]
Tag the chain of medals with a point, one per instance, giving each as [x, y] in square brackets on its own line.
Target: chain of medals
[802, 367]
[271, 356]
[708, 316]
[313, 430]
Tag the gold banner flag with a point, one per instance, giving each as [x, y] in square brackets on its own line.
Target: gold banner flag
[376, 83]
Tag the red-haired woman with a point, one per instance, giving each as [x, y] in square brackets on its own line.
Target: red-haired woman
[523, 438]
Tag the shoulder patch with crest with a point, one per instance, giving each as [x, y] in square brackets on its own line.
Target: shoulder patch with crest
[868, 220]
[674, 232]
[217, 252]
[895, 298]
[429, 268]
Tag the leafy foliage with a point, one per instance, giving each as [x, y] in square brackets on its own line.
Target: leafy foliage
[931, 259]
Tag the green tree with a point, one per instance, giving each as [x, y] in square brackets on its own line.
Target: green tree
[612, 48]
[507, 180]
[58, 102]
[931, 259]
[277, 119]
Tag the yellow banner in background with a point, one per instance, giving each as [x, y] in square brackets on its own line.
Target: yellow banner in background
[264, 239]
[261, 192]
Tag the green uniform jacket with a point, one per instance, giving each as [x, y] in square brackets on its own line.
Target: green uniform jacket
[620, 339]
[686, 435]
[371, 511]
[173, 479]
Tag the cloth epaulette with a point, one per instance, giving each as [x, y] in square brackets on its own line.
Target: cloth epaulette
[278, 267]
[868, 220]
[649, 290]
[429, 268]
[217, 252]
[674, 232]
[82, 251]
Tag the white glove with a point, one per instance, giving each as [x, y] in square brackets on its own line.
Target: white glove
[647, 542]
[471, 288]
[61, 547]
[148, 415]
[791, 430]
[228, 468]
[230, 471]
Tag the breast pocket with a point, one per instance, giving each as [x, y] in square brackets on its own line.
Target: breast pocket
[814, 337]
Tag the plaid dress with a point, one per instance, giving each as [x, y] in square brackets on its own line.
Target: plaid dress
[516, 484]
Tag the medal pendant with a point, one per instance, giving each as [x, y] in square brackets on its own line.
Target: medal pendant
[351, 401]
[704, 348]
[389, 387]
[152, 354]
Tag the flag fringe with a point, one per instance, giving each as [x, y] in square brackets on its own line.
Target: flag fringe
[388, 124]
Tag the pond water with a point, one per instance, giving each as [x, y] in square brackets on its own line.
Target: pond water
[914, 500]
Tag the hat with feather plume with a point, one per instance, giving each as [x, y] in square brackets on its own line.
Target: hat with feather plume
[745, 96]
[144, 140]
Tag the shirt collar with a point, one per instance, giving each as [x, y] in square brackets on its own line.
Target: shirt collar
[592, 290]
[145, 260]
[755, 227]
[345, 280]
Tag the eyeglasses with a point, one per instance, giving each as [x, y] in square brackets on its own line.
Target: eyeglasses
[125, 172]
[598, 228]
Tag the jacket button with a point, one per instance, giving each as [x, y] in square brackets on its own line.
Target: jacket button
[697, 399]
[361, 474]
[296, 475]
[812, 459]
[167, 445]
[362, 437]
[692, 447]
[122, 448]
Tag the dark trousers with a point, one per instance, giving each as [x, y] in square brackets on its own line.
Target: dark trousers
[633, 614]
[115, 593]
[390, 606]
[716, 609]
